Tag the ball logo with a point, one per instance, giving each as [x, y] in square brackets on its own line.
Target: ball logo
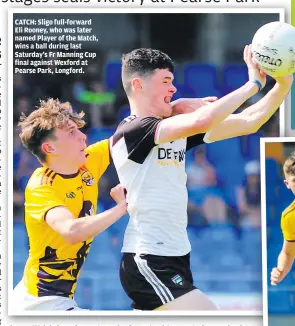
[87, 178]
[261, 58]
[268, 49]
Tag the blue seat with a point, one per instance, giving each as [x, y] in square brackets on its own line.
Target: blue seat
[183, 91]
[251, 247]
[113, 75]
[18, 269]
[16, 160]
[289, 280]
[20, 242]
[272, 172]
[252, 151]
[230, 175]
[276, 236]
[97, 134]
[228, 262]
[87, 293]
[226, 157]
[234, 76]
[271, 194]
[20, 251]
[102, 291]
[202, 78]
[123, 113]
[284, 195]
[204, 286]
[225, 152]
[103, 256]
[223, 238]
[280, 302]
[113, 290]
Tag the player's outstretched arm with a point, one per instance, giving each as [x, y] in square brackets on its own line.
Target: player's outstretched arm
[189, 105]
[74, 230]
[285, 262]
[252, 118]
[208, 116]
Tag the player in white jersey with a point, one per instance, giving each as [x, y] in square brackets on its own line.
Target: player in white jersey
[148, 151]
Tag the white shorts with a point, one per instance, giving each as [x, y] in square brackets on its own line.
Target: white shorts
[24, 301]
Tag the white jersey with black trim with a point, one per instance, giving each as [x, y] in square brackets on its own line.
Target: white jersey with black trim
[155, 180]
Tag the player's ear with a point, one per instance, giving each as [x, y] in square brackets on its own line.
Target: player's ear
[47, 148]
[286, 183]
[136, 84]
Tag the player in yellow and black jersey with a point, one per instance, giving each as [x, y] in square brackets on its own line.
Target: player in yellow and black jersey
[60, 203]
[287, 254]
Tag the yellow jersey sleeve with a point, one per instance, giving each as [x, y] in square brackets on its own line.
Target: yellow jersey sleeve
[39, 200]
[98, 158]
[288, 225]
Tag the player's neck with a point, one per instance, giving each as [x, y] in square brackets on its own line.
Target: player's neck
[142, 108]
[61, 167]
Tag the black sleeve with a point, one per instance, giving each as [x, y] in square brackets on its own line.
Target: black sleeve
[139, 136]
[195, 140]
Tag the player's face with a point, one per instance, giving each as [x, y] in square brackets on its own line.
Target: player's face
[159, 90]
[290, 182]
[70, 144]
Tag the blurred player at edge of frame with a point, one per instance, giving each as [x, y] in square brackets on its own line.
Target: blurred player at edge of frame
[148, 150]
[60, 203]
[287, 254]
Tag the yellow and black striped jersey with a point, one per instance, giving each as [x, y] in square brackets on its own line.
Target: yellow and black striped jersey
[53, 264]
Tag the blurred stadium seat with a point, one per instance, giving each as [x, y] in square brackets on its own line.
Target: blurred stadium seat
[112, 75]
[98, 134]
[202, 79]
[234, 76]
[252, 150]
[272, 171]
[281, 302]
[123, 113]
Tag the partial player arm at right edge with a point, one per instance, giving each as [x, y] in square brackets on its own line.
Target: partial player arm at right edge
[285, 262]
[205, 118]
[74, 230]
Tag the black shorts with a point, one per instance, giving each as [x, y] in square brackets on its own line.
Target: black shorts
[152, 281]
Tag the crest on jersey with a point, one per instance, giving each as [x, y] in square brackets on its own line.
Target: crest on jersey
[177, 279]
[87, 178]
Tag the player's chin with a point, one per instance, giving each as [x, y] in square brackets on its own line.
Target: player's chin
[83, 157]
[167, 110]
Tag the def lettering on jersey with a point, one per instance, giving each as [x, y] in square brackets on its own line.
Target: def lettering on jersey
[170, 156]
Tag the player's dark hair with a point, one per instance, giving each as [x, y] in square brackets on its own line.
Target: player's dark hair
[289, 165]
[39, 126]
[143, 62]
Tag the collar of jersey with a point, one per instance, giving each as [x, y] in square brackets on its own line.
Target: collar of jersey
[68, 176]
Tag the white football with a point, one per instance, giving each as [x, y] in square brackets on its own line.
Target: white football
[273, 48]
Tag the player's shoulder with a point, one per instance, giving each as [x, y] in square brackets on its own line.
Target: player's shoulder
[42, 177]
[289, 212]
[100, 146]
[136, 122]
[134, 126]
